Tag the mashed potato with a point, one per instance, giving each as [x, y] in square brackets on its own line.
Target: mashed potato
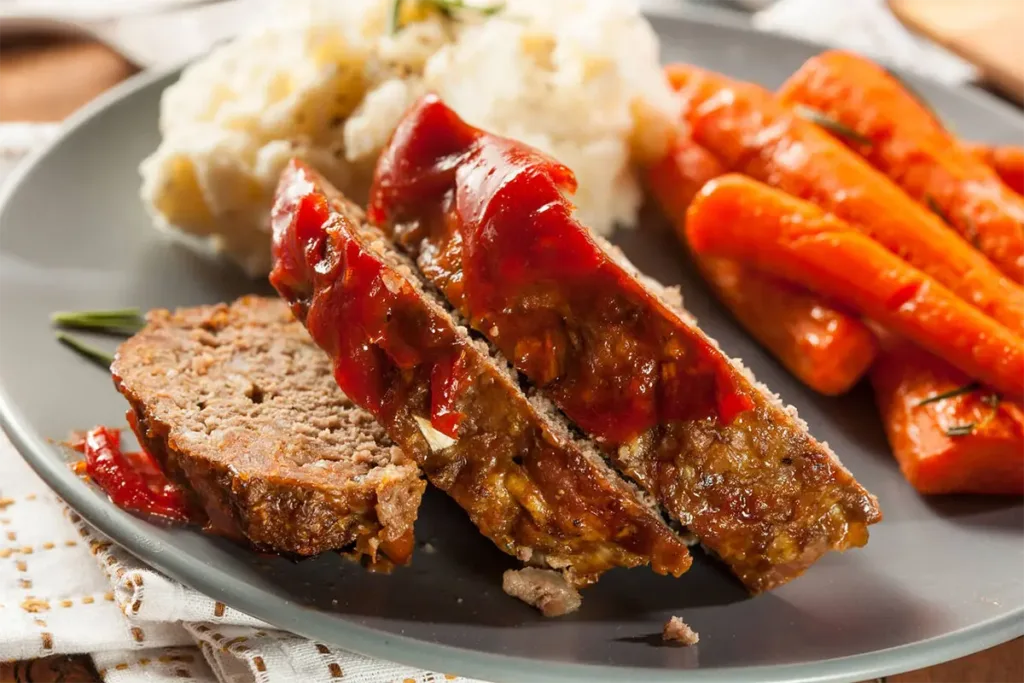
[326, 81]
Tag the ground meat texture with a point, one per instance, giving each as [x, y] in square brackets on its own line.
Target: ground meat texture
[239, 407]
[544, 589]
[488, 223]
[526, 483]
[676, 630]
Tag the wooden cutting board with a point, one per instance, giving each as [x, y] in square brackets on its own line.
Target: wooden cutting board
[987, 33]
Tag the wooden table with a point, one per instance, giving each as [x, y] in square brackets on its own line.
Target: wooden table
[47, 81]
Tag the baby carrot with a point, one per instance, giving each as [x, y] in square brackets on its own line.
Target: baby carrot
[737, 218]
[693, 82]
[750, 132]
[870, 111]
[824, 346]
[827, 349]
[1006, 160]
[677, 178]
[949, 434]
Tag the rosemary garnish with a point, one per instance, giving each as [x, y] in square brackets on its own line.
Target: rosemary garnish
[393, 17]
[446, 7]
[959, 391]
[831, 125]
[992, 400]
[121, 321]
[961, 430]
[934, 207]
[90, 352]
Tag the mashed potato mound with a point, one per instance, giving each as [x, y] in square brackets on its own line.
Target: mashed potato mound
[327, 81]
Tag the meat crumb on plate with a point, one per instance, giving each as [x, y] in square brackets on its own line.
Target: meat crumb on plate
[544, 589]
[676, 630]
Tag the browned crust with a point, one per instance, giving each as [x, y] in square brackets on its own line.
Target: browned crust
[528, 485]
[757, 489]
[270, 502]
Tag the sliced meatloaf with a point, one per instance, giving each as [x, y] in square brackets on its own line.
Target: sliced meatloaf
[487, 220]
[536, 491]
[240, 408]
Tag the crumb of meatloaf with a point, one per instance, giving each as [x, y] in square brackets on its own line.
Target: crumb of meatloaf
[544, 589]
[677, 631]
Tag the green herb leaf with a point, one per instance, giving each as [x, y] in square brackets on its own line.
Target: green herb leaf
[959, 391]
[831, 125]
[961, 430]
[448, 8]
[934, 207]
[394, 16]
[101, 358]
[122, 321]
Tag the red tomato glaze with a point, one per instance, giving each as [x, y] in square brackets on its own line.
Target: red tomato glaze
[133, 481]
[372, 343]
[490, 223]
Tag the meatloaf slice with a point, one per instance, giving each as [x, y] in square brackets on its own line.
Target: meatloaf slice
[240, 408]
[489, 224]
[531, 487]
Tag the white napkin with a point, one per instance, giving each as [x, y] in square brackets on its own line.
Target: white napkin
[64, 588]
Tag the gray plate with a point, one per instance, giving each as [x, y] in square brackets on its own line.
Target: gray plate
[939, 579]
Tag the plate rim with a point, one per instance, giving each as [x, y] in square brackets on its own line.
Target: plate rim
[38, 453]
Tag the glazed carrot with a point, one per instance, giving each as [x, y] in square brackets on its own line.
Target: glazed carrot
[948, 434]
[750, 132]
[1006, 160]
[827, 349]
[695, 83]
[737, 218]
[677, 178]
[879, 119]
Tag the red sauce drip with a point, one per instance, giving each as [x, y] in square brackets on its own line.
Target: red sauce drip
[133, 481]
[447, 380]
[356, 318]
[535, 281]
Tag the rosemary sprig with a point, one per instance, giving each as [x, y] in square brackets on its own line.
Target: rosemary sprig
[992, 400]
[934, 207]
[446, 7]
[394, 16]
[965, 429]
[120, 321]
[831, 125]
[85, 350]
[959, 391]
